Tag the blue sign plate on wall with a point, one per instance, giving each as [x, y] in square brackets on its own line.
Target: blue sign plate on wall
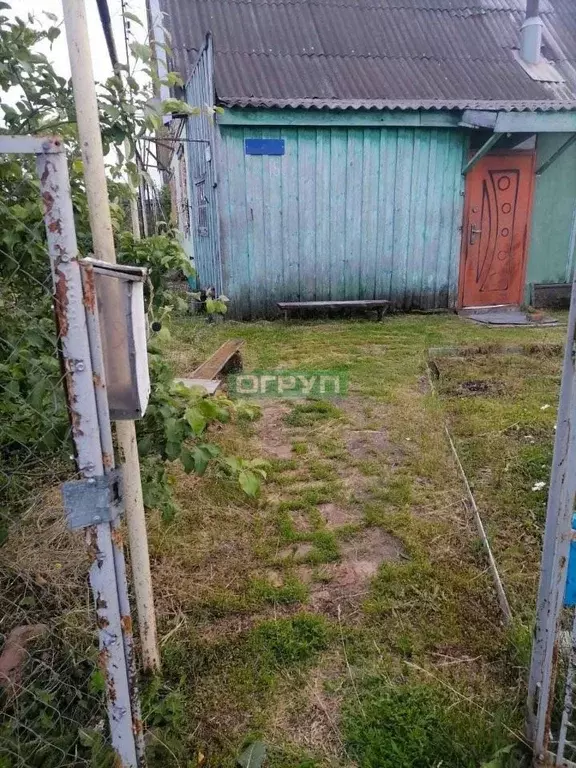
[570, 594]
[264, 146]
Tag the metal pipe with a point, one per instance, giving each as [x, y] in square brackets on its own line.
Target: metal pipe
[532, 8]
[531, 34]
[106, 23]
[103, 240]
[73, 335]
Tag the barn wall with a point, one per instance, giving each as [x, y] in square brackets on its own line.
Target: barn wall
[554, 200]
[345, 213]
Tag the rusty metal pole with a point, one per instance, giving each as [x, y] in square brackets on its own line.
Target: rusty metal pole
[86, 433]
[102, 234]
[99, 378]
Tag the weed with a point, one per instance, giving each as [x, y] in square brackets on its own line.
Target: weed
[308, 413]
[418, 726]
[285, 642]
[291, 591]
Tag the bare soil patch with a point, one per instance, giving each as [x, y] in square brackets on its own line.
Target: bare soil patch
[336, 516]
[366, 442]
[272, 431]
[362, 555]
[312, 721]
[478, 387]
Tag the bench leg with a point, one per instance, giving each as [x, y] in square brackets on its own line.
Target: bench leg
[379, 313]
[285, 315]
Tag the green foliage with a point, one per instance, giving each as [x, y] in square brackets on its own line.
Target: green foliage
[291, 591]
[285, 642]
[175, 427]
[213, 305]
[418, 726]
[304, 414]
[162, 254]
[253, 756]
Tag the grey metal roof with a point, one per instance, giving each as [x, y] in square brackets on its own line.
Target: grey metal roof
[403, 54]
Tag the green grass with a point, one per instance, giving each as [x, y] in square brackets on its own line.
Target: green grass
[421, 671]
[419, 725]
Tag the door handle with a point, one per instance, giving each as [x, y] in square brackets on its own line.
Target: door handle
[473, 232]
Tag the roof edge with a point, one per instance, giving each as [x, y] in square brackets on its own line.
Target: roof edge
[390, 104]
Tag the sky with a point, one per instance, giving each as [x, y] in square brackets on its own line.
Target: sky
[100, 60]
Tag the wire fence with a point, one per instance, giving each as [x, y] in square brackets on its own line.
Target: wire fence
[52, 709]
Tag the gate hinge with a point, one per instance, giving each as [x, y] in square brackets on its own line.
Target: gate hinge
[94, 500]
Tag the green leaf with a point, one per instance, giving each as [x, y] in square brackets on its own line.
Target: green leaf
[132, 17]
[173, 430]
[212, 450]
[140, 51]
[501, 758]
[201, 459]
[254, 756]
[249, 482]
[97, 681]
[187, 459]
[53, 33]
[196, 419]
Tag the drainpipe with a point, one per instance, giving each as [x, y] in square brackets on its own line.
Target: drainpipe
[531, 33]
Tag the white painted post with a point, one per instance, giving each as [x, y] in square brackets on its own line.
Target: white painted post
[102, 234]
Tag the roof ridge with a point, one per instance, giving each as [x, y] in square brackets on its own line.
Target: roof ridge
[466, 11]
[344, 56]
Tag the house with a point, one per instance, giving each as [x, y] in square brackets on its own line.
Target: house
[417, 150]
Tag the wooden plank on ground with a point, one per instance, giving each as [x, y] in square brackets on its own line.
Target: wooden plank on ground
[226, 356]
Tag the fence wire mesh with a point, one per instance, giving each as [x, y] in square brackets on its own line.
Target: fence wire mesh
[52, 710]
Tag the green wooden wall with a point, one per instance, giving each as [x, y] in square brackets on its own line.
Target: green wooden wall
[345, 213]
[554, 200]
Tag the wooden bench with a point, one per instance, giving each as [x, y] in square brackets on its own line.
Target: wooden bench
[226, 359]
[378, 304]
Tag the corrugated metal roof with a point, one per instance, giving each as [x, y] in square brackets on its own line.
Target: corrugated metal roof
[451, 54]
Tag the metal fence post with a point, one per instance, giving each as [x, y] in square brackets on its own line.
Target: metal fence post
[557, 537]
[86, 433]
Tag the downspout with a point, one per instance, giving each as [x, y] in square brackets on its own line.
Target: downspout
[531, 33]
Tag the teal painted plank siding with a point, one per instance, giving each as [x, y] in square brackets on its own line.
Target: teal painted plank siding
[345, 213]
[554, 200]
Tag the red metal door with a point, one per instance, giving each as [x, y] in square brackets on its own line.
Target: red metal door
[495, 234]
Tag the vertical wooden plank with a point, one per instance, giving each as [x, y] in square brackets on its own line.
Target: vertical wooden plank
[273, 227]
[224, 204]
[254, 205]
[446, 182]
[430, 261]
[403, 191]
[323, 195]
[459, 143]
[418, 218]
[237, 251]
[307, 212]
[371, 212]
[353, 213]
[290, 232]
[386, 202]
[338, 168]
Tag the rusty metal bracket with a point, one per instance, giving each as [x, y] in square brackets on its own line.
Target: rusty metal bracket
[94, 500]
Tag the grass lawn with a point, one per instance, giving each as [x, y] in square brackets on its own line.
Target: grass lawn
[347, 617]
